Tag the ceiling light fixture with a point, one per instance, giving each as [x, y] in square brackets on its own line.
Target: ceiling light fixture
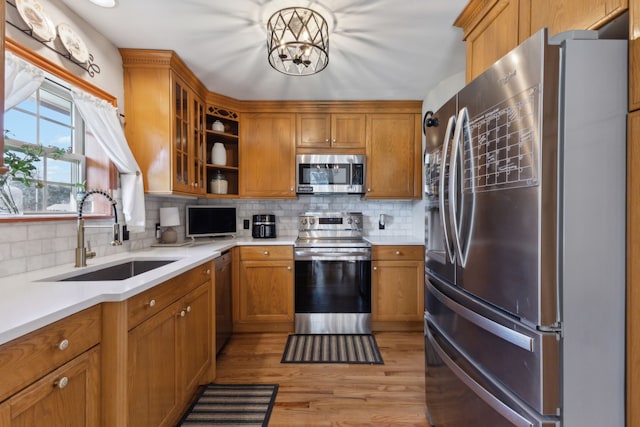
[105, 3]
[298, 41]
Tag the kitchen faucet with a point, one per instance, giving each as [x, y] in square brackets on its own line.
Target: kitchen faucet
[83, 253]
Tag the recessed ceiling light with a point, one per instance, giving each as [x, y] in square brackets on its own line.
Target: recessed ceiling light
[105, 3]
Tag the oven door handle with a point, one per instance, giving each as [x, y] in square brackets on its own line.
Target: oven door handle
[332, 256]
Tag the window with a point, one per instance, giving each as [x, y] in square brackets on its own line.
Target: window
[47, 125]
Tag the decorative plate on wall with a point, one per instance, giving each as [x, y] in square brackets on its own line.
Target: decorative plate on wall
[33, 14]
[73, 43]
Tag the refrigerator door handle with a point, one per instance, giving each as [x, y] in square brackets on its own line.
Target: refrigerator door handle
[503, 409]
[443, 168]
[516, 338]
[461, 243]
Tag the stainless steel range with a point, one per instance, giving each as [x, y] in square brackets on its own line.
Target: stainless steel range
[333, 274]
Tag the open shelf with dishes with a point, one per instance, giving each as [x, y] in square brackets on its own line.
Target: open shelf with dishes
[222, 151]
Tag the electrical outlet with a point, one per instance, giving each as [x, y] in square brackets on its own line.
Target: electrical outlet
[158, 231]
[245, 224]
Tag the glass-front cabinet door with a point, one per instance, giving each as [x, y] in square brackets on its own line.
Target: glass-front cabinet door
[199, 154]
[181, 180]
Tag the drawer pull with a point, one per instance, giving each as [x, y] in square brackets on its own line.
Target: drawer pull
[152, 303]
[266, 253]
[397, 252]
[61, 383]
[208, 272]
[64, 344]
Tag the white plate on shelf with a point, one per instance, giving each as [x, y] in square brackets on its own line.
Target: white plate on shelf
[73, 43]
[33, 14]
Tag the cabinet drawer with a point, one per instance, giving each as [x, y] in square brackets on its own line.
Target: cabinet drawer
[259, 253]
[390, 253]
[28, 358]
[152, 301]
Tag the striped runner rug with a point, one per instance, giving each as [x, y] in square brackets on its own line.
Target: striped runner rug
[237, 405]
[332, 348]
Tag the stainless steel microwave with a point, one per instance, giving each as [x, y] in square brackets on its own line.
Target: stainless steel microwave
[330, 173]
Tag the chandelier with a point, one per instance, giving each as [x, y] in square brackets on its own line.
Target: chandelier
[298, 41]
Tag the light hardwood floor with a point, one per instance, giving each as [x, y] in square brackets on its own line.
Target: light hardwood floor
[391, 394]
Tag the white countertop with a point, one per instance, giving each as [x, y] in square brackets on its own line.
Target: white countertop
[395, 240]
[30, 301]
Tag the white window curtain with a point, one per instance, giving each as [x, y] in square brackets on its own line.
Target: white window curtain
[21, 80]
[101, 118]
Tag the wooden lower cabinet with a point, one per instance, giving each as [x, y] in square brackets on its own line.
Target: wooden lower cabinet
[168, 355]
[153, 366]
[51, 376]
[153, 370]
[195, 338]
[397, 287]
[67, 397]
[263, 295]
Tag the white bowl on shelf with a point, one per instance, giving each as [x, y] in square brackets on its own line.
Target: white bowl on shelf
[218, 126]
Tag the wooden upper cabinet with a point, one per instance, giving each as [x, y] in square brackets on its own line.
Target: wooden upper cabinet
[634, 56]
[563, 15]
[491, 29]
[164, 117]
[267, 155]
[330, 131]
[393, 156]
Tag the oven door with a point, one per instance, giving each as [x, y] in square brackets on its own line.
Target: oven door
[333, 290]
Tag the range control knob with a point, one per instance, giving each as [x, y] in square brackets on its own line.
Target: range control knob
[349, 220]
[312, 221]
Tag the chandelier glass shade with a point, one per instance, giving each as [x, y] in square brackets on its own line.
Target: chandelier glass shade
[298, 41]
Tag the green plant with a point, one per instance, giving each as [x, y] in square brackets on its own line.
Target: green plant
[21, 168]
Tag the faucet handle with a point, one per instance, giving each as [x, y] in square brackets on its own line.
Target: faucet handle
[89, 253]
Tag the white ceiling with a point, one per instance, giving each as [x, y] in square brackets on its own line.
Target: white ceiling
[378, 49]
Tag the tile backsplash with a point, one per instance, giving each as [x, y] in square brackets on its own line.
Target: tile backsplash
[29, 246]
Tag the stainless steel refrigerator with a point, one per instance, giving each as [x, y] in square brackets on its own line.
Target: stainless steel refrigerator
[525, 260]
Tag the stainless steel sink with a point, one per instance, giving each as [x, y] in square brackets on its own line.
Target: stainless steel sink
[121, 271]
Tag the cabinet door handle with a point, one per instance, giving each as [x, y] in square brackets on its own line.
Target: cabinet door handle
[61, 383]
[182, 313]
[289, 267]
[208, 272]
[152, 303]
[188, 309]
[64, 344]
